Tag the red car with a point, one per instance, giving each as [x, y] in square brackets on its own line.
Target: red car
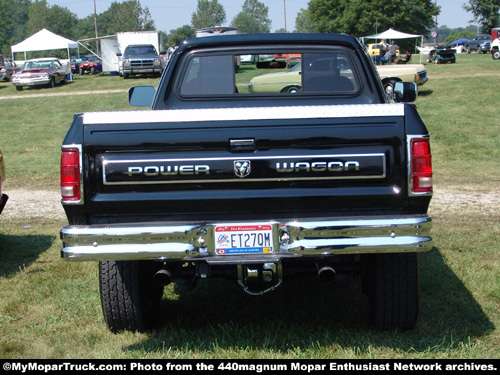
[44, 71]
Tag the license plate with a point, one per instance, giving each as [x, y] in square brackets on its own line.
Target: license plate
[243, 239]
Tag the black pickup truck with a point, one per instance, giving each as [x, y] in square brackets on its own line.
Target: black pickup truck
[234, 175]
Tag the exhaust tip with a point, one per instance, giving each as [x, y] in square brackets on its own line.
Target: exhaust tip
[163, 277]
[326, 274]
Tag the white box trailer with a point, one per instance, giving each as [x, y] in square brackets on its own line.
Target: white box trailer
[110, 61]
[114, 45]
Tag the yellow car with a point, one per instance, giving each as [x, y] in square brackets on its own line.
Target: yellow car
[319, 77]
[376, 52]
[374, 49]
[392, 73]
[284, 82]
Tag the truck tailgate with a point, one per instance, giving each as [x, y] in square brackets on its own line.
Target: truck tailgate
[316, 160]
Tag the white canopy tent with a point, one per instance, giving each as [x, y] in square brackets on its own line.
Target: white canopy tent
[391, 34]
[44, 40]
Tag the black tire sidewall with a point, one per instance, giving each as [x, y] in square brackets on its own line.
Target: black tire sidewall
[130, 298]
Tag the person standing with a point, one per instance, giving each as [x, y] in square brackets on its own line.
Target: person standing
[393, 48]
[383, 47]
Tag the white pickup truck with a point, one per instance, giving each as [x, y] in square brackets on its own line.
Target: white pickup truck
[495, 43]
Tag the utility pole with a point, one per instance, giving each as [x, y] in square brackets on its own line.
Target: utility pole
[284, 12]
[436, 32]
[95, 27]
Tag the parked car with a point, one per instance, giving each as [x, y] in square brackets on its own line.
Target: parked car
[375, 49]
[75, 64]
[442, 55]
[291, 59]
[7, 68]
[288, 81]
[3, 196]
[480, 43]
[377, 53]
[44, 71]
[2, 72]
[392, 73]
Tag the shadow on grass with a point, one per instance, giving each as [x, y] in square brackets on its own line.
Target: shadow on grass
[18, 252]
[423, 92]
[305, 314]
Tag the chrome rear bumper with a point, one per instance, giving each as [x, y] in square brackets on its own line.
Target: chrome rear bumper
[191, 242]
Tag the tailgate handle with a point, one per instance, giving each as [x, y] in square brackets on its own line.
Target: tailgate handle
[242, 145]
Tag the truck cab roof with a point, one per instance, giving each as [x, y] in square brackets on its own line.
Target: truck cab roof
[296, 38]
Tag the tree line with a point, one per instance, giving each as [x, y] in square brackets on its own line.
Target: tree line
[21, 18]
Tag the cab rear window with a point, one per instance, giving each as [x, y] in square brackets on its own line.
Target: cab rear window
[280, 73]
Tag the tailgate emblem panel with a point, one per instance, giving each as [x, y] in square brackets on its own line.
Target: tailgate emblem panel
[133, 170]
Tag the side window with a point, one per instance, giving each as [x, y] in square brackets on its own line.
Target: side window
[209, 75]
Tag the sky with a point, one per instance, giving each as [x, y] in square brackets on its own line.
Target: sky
[171, 14]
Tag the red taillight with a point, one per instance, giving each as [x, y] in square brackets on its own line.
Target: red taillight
[421, 165]
[70, 174]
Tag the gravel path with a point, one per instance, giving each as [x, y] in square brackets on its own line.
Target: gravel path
[33, 204]
[66, 93]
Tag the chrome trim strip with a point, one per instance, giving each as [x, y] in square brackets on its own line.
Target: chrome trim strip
[106, 162]
[80, 161]
[249, 157]
[191, 242]
[238, 114]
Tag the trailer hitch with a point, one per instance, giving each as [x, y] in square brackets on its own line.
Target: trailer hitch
[257, 279]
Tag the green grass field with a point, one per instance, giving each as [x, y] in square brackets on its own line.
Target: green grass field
[50, 308]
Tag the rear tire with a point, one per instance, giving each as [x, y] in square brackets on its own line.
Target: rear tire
[391, 282]
[130, 298]
[291, 89]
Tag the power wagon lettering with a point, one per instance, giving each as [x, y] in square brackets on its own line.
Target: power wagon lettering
[319, 166]
[169, 170]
